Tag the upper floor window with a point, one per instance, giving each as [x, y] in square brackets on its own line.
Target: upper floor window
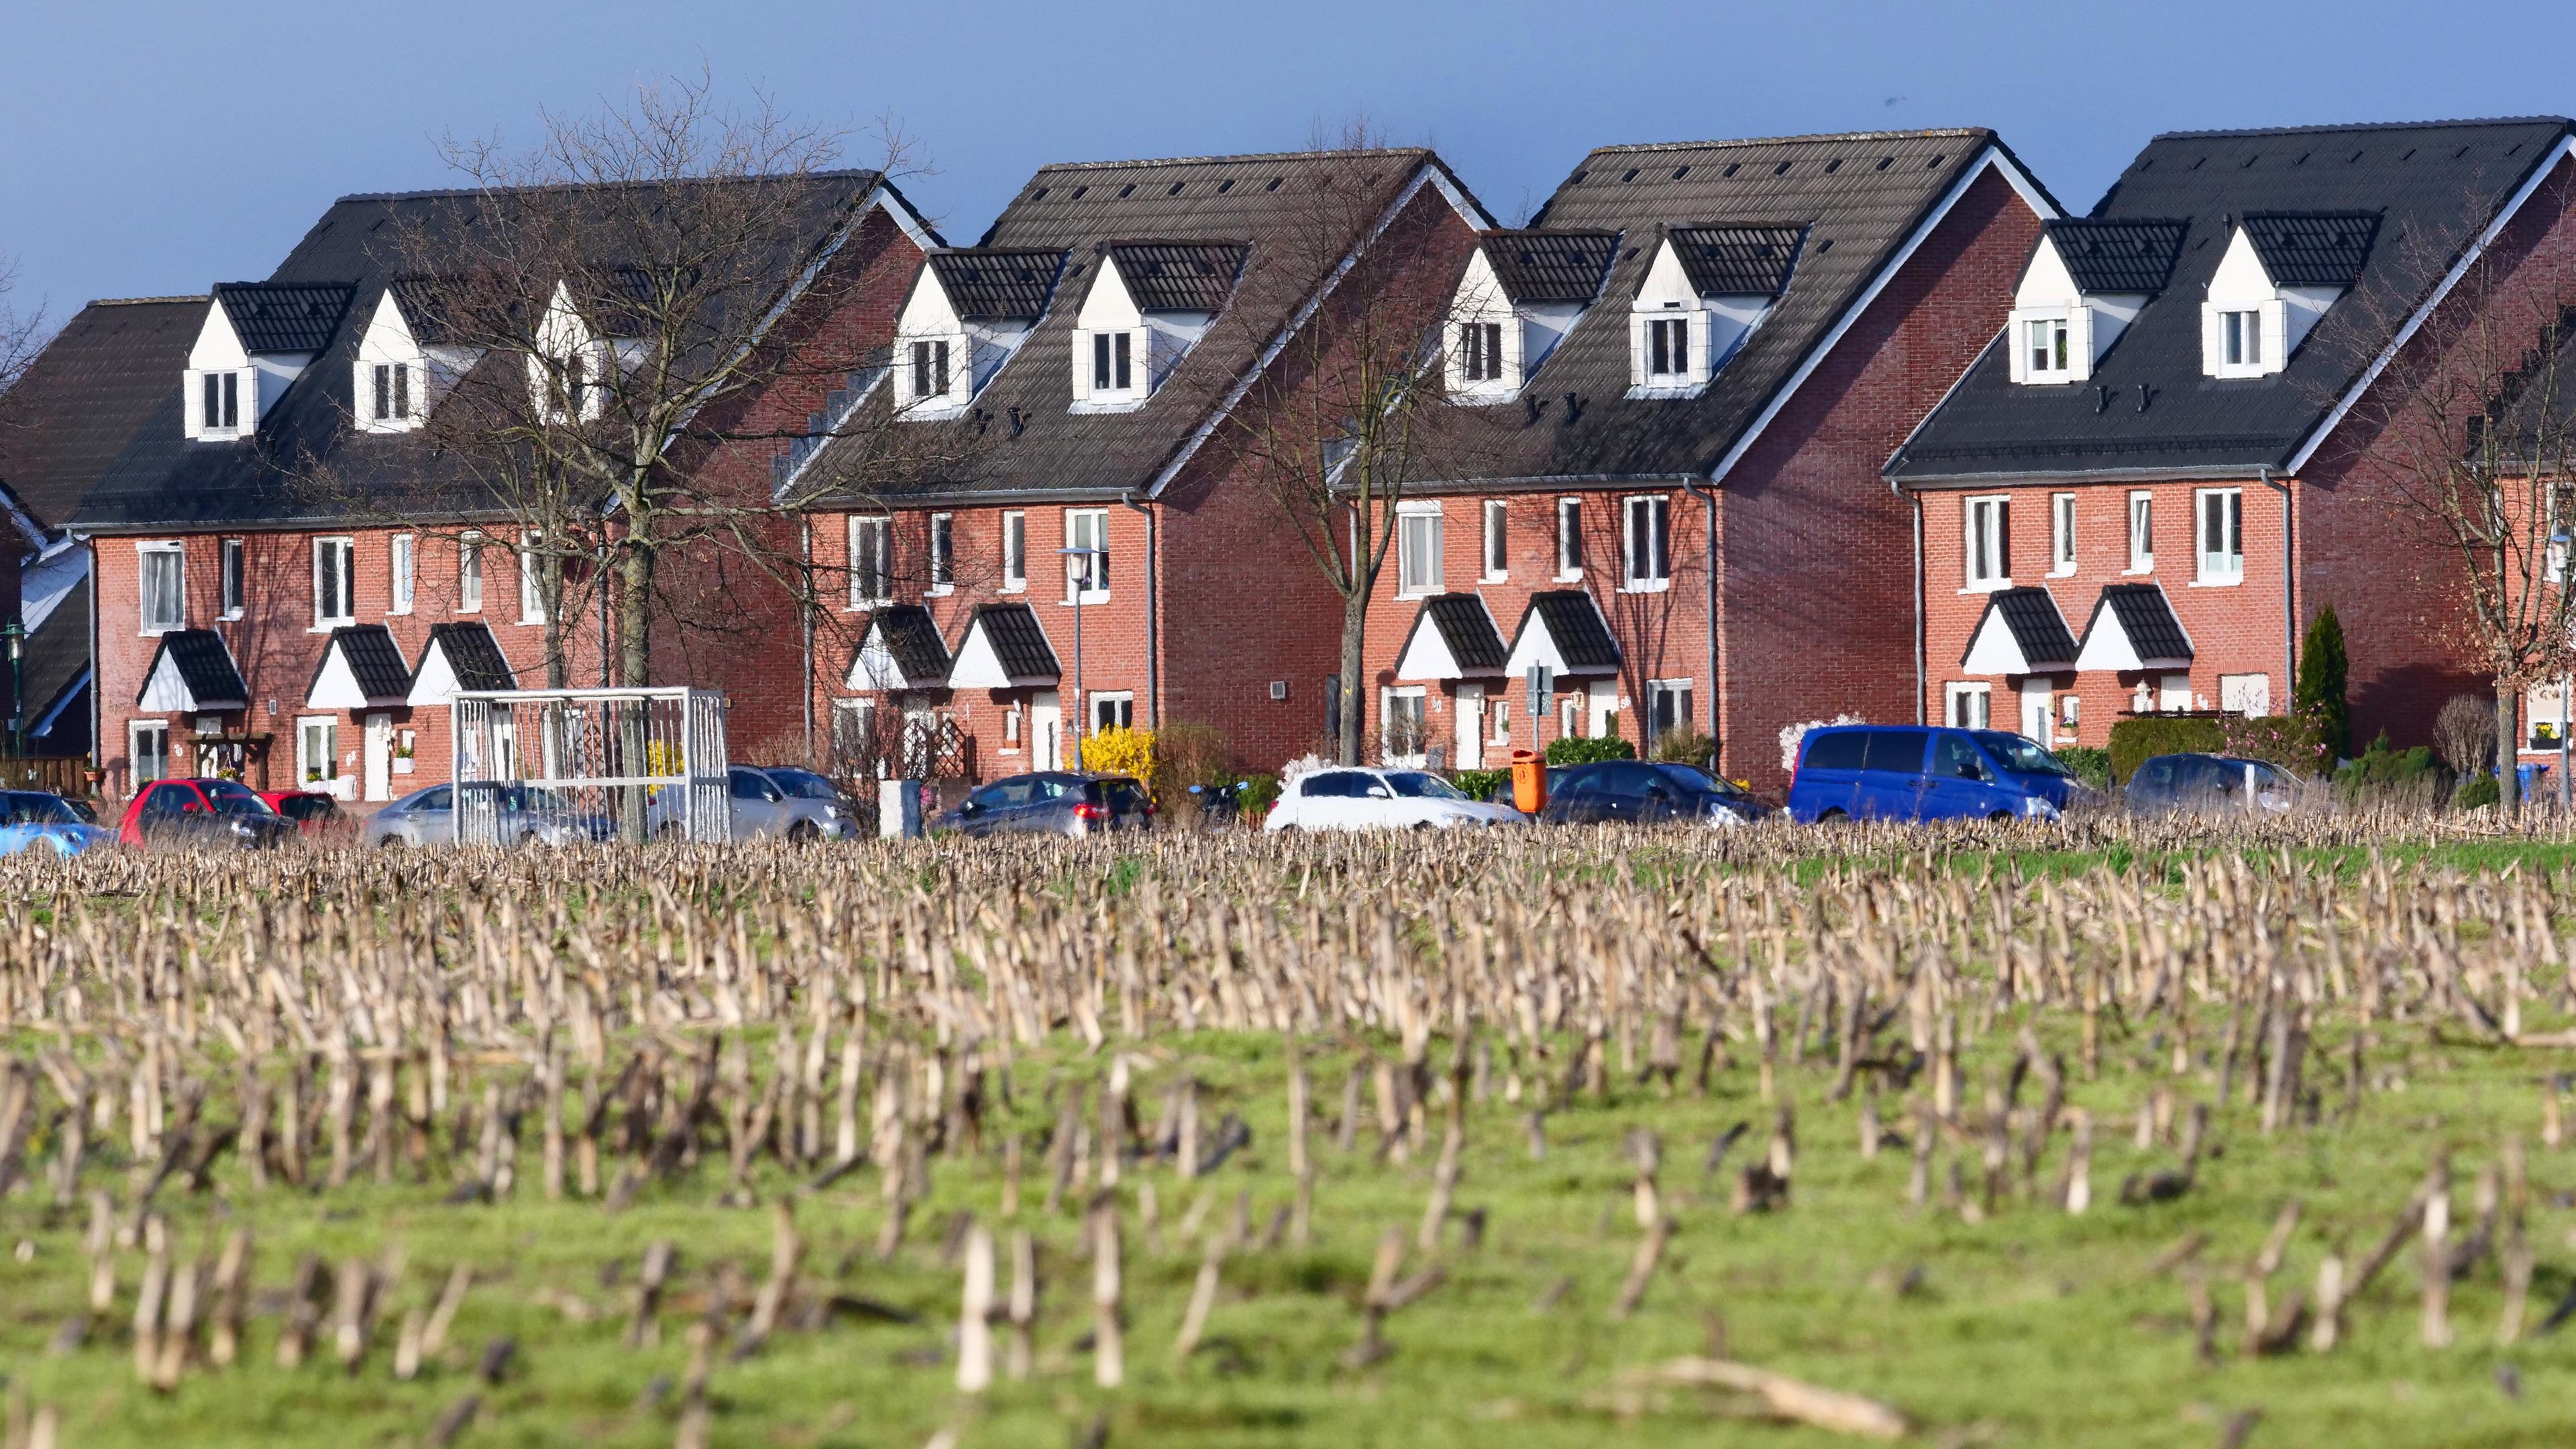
[2061, 533]
[233, 582]
[871, 562]
[943, 559]
[2222, 534]
[469, 574]
[334, 582]
[2047, 358]
[1498, 557]
[1989, 542]
[219, 402]
[1569, 539]
[1646, 545]
[1086, 561]
[392, 392]
[1417, 529]
[1113, 361]
[1480, 351]
[532, 591]
[2241, 338]
[2142, 532]
[930, 369]
[1015, 551]
[161, 587]
[1667, 349]
[400, 551]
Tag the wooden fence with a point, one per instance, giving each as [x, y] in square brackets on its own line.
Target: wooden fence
[67, 775]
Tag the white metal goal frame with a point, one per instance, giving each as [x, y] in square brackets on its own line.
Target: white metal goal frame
[560, 766]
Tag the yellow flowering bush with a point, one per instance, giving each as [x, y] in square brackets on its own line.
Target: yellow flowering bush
[1120, 752]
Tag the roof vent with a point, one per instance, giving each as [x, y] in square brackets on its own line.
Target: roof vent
[1126, 191]
[1780, 170]
[1935, 163]
[1886, 161]
[1077, 192]
[1631, 176]
[1274, 184]
[1225, 186]
[1040, 193]
[1577, 178]
[1680, 171]
[1731, 168]
[1833, 166]
[1176, 188]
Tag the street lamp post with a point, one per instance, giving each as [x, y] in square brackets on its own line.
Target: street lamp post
[1081, 585]
[15, 633]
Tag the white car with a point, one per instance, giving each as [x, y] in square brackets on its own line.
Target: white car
[1363, 799]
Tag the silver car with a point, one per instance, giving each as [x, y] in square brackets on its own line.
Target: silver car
[527, 814]
[774, 801]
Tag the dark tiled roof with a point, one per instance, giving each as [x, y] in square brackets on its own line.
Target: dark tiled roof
[2146, 617]
[70, 414]
[913, 639]
[1178, 276]
[425, 303]
[1018, 641]
[1539, 266]
[2119, 256]
[1467, 627]
[992, 284]
[272, 317]
[57, 657]
[2037, 626]
[375, 661]
[473, 656]
[1737, 261]
[2433, 186]
[2312, 248]
[1574, 621]
[205, 666]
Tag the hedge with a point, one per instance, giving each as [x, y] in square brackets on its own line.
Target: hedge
[1586, 749]
[2091, 766]
[2136, 741]
[1480, 784]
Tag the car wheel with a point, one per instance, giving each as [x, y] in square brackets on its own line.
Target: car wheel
[1999, 817]
[1832, 817]
[391, 842]
[803, 833]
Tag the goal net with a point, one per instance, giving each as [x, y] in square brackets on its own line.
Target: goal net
[562, 766]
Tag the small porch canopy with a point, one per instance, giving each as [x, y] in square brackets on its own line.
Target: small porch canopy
[193, 672]
[2021, 632]
[361, 667]
[460, 657]
[1564, 630]
[2133, 628]
[1004, 648]
[1453, 637]
[901, 650]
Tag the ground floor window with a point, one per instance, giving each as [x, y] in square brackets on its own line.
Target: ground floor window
[1668, 707]
[2174, 692]
[1498, 714]
[853, 738]
[148, 746]
[2247, 694]
[317, 752]
[2545, 715]
[1402, 731]
[1112, 710]
[1968, 706]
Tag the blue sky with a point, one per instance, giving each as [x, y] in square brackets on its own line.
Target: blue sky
[148, 149]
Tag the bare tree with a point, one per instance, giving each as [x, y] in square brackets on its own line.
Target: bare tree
[21, 336]
[2464, 734]
[2471, 430]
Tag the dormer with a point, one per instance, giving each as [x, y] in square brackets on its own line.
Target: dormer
[571, 355]
[1521, 293]
[409, 356]
[257, 339]
[2280, 273]
[2084, 284]
[1148, 304]
[969, 310]
[1704, 292]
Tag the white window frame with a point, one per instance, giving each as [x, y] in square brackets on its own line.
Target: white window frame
[222, 421]
[1114, 362]
[232, 577]
[135, 732]
[1086, 577]
[2061, 534]
[2544, 707]
[1985, 542]
[1480, 350]
[1498, 720]
[1119, 704]
[2561, 503]
[2236, 691]
[2047, 346]
[2142, 532]
[2240, 342]
[943, 553]
[345, 550]
[326, 781]
[1968, 704]
[1646, 556]
[2225, 566]
[389, 396]
[1418, 550]
[469, 573]
[1657, 690]
[1015, 551]
[1569, 540]
[1419, 698]
[532, 602]
[177, 618]
[1496, 560]
[1668, 351]
[926, 370]
[870, 540]
[402, 572]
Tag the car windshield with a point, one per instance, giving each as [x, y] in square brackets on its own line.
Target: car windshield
[34, 809]
[1416, 785]
[2020, 755]
[803, 784]
[1692, 777]
[530, 798]
[233, 799]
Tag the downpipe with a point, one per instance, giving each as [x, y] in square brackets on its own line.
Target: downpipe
[1707, 496]
[1153, 648]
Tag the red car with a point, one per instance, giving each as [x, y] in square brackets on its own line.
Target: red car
[316, 817]
[214, 814]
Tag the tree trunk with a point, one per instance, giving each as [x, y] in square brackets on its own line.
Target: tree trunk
[2508, 742]
[1346, 746]
[634, 637]
[550, 594]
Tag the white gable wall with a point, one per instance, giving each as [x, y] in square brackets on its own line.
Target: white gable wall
[2241, 284]
[1718, 326]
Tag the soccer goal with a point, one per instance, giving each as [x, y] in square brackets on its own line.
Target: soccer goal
[562, 766]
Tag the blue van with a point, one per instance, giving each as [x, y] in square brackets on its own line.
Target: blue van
[1915, 773]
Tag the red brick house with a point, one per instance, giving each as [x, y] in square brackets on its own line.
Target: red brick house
[1688, 373]
[2173, 456]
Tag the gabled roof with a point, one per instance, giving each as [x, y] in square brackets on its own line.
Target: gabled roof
[425, 303]
[997, 284]
[460, 656]
[1564, 630]
[68, 416]
[2133, 627]
[284, 317]
[1453, 637]
[1737, 261]
[1004, 645]
[900, 649]
[57, 660]
[192, 670]
[2150, 411]
[2021, 632]
[360, 665]
[2119, 256]
[1540, 266]
[1178, 276]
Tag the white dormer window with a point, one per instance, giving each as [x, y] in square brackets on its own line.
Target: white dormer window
[405, 365]
[1149, 303]
[2086, 281]
[1519, 297]
[1706, 291]
[2279, 276]
[1113, 363]
[967, 314]
[258, 337]
[2241, 339]
[219, 403]
[2045, 339]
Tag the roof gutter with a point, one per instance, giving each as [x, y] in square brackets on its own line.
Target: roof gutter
[1153, 646]
[2035, 477]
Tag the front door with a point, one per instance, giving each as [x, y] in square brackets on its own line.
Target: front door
[1046, 730]
[2036, 720]
[380, 756]
[1471, 727]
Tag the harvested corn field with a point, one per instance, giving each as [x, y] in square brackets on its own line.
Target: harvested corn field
[2101, 1134]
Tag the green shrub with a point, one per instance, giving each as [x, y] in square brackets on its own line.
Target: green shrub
[2295, 742]
[2092, 766]
[1481, 784]
[2484, 790]
[2323, 676]
[1587, 749]
[1687, 747]
[2384, 774]
[2136, 741]
[1259, 794]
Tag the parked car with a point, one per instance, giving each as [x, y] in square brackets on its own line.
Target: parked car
[1640, 792]
[774, 801]
[317, 817]
[2208, 782]
[1053, 802]
[528, 813]
[38, 820]
[1913, 773]
[1345, 798]
[203, 814]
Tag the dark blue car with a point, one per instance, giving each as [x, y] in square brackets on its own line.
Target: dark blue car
[1915, 772]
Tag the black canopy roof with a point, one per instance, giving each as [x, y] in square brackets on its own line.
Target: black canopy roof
[912, 637]
[1583, 638]
[1539, 266]
[205, 666]
[2117, 254]
[1466, 627]
[375, 661]
[2037, 627]
[473, 656]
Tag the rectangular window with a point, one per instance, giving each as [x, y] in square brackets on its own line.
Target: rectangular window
[162, 587]
[1401, 731]
[930, 369]
[2247, 694]
[1569, 539]
[2142, 532]
[2047, 346]
[210, 409]
[871, 562]
[1989, 543]
[1480, 347]
[400, 572]
[532, 594]
[1668, 347]
[1498, 552]
[2243, 338]
[317, 751]
[1498, 715]
[148, 748]
[1645, 543]
[469, 574]
[1668, 707]
[1968, 706]
[384, 409]
[234, 584]
[1086, 572]
[2545, 716]
[2061, 533]
[2562, 526]
[943, 561]
[334, 581]
[2222, 535]
[1112, 361]
[1417, 536]
[1112, 710]
[1015, 551]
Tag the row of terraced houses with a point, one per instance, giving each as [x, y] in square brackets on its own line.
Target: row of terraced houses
[1765, 431]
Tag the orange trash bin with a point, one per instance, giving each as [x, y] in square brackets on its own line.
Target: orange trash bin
[1529, 782]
